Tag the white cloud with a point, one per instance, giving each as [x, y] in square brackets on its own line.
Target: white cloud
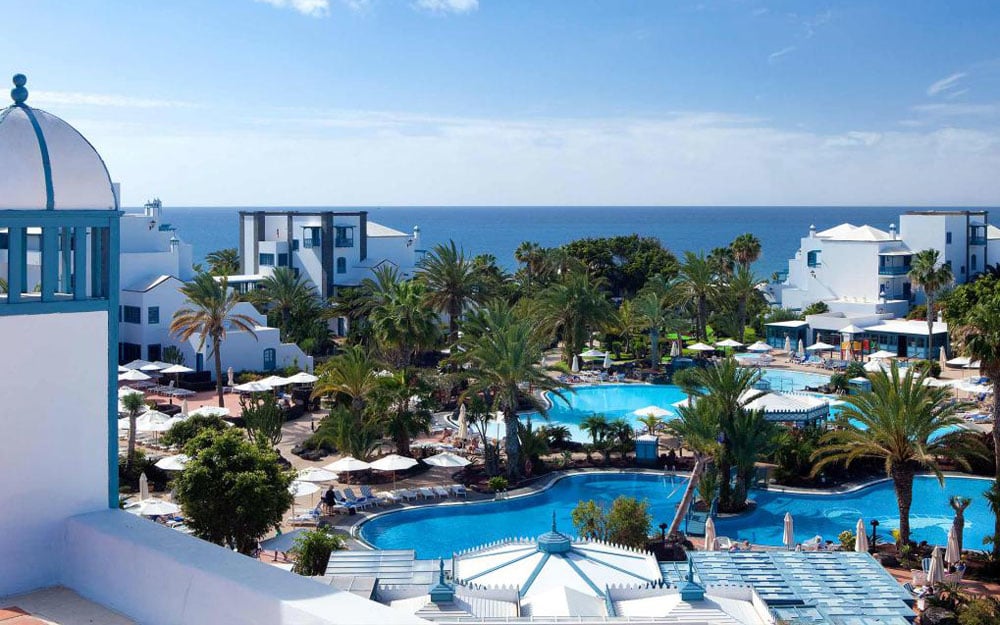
[312, 8]
[949, 82]
[364, 158]
[73, 98]
[958, 110]
[447, 6]
[774, 56]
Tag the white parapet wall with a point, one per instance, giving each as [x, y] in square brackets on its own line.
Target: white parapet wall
[158, 576]
[54, 430]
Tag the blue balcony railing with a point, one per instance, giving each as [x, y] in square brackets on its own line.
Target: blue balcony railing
[977, 240]
[343, 242]
[893, 270]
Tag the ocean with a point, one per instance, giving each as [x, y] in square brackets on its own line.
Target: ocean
[499, 230]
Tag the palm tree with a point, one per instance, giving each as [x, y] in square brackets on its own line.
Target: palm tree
[209, 314]
[698, 426]
[597, 426]
[696, 285]
[571, 309]
[532, 256]
[751, 437]
[394, 405]
[652, 307]
[899, 423]
[627, 323]
[722, 261]
[652, 422]
[133, 403]
[224, 262]
[621, 436]
[931, 277]
[350, 373]
[453, 283]
[727, 388]
[742, 286]
[746, 249]
[959, 503]
[534, 443]
[403, 324]
[284, 292]
[500, 361]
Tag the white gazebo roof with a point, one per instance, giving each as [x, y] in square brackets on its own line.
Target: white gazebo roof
[75, 178]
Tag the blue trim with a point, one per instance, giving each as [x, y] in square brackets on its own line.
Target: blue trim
[50, 264]
[80, 263]
[50, 198]
[534, 574]
[112, 309]
[15, 266]
[612, 566]
[584, 577]
[492, 568]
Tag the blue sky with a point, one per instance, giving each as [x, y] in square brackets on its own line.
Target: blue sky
[467, 102]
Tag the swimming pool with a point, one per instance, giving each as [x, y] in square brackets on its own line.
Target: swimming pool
[620, 400]
[438, 531]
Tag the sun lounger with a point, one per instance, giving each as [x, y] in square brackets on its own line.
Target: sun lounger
[307, 518]
[426, 492]
[348, 499]
[440, 491]
[812, 544]
[389, 496]
[725, 543]
[918, 578]
[459, 490]
[953, 578]
[366, 492]
[361, 502]
[406, 494]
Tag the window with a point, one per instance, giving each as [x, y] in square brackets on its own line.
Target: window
[344, 236]
[132, 314]
[266, 260]
[153, 315]
[295, 244]
[154, 352]
[341, 265]
[270, 358]
[282, 259]
[947, 238]
[812, 258]
[975, 263]
[130, 352]
[311, 237]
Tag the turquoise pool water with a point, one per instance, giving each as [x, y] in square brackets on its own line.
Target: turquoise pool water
[438, 531]
[620, 400]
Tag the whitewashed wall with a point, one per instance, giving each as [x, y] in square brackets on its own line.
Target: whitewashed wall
[54, 429]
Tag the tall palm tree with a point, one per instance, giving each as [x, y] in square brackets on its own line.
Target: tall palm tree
[959, 503]
[742, 287]
[209, 314]
[350, 373]
[746, 250]
[926, 273]
[453, 283]
[727, 388]
[627, 323]
[396, 401]
[133, 403]
[654, 309]
[750, 437]
[224, 262]
[284, 292]
[597, 426]
[696, 286]
[651, 422]
[899, 423]
[571, 308]
[501, 361]
[532, 256]
[403, 324]
[979, 334]
[698, 426]
[722, 261]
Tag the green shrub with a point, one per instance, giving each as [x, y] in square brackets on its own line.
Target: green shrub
[816, 308]
[855, 370]
[927, 367]
[312, 550]
[183, 431]
[839, 381]
[559, 366]
[627, 522]
[497, 483]
[846, 539]
[980, 611]
[918, 312]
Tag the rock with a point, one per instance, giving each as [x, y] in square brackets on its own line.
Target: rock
[888, 560]
[938, 616]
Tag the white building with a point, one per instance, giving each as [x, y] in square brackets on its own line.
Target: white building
[861, 270]
[330, 249]
[60, 525]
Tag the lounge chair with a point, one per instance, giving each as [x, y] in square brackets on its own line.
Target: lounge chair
[362, 501]
[366, 492]
[925, 564]
[426, 492]
[918, 578]
[388, 496]
[812, 544]
[953, 578]
[405, 494]
[725, 543]
[307, 518]
[347, 498]
[441, 491]
[459, 490]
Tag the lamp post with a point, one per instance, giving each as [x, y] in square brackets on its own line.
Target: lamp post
[874, 534]
[663, 532]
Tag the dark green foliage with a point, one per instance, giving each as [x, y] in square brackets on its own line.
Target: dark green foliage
[816, 308]
[313, 548]
[625, 262]
[627, 522]
[233, 491]
[183, 431]
[128, 476]
[263, 418]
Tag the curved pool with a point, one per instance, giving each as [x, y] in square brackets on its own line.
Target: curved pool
[438, 531]
[620, 400]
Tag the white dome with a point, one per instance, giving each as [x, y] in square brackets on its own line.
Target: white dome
[76, 178]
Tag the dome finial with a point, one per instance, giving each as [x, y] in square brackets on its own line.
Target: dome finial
[19, 94]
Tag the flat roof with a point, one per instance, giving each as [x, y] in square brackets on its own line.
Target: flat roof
[307, 213]
[787, 324]
[949, 212]
[910, 327]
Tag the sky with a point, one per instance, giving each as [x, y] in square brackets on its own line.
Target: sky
[524, 102]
